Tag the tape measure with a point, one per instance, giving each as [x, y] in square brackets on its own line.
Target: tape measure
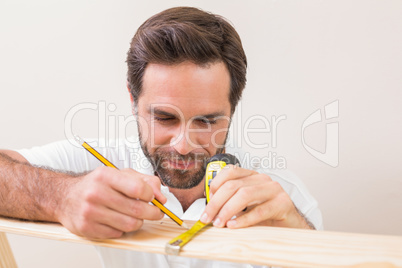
[214, 165]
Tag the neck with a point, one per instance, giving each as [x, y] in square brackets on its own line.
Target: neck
[187, 196]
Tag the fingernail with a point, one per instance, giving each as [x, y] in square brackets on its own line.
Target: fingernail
[217, 222]
[204, 218]
[231, 223]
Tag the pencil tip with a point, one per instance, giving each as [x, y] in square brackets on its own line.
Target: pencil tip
[185, 225]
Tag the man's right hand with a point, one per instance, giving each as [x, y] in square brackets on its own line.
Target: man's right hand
[107, 202]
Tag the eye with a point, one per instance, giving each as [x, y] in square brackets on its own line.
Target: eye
[207, 121]
[164, 119]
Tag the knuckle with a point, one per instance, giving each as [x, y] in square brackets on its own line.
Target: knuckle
[138, 188]
[275, 185]
[249, 191]
[226, 213]
[129, 171]
[266, 177]
[260, 212]
[153, 181]
[86, 212]
[84, 228]
[230, 171]
[136, 224]
[136, 209]
[231, 186]
[99, 173]
[213, 187]
[245, 193]
[284, 199]
[139, 224]
[115, 234]
[91, 195]
[130, 224]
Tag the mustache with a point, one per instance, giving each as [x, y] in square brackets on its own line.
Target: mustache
[172, 155]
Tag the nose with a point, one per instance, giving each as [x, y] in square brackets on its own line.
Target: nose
[182, 143]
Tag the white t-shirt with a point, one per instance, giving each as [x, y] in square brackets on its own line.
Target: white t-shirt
[70, 156]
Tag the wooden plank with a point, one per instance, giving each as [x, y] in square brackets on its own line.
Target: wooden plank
[256, 245]
[6, 255]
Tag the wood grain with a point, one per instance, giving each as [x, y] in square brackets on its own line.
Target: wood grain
[6, 255]
[256, 245]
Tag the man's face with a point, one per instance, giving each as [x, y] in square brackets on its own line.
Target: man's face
[183, 118]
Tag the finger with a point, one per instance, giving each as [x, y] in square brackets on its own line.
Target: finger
[101, 231]
[117, 201]
[236, 195]
[133, 207]
[229, 172]
[244, 198]
[88, 224]
[228, 190]
[261, 213]
[155, 184]
[275, 210]
[132, 184]
[219, 199]
[116, 220]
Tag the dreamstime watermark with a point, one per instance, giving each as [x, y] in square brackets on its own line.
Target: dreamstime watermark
[241, 132]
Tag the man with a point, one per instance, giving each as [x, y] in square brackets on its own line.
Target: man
[186, 74]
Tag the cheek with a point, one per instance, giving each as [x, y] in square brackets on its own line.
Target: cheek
[148, 133]
[216, 139]
[159, 136]
[143, 129]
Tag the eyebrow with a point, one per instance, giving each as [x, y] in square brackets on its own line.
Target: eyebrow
[164, 113]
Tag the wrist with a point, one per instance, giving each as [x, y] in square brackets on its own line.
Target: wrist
[63, 199]
[301, 221]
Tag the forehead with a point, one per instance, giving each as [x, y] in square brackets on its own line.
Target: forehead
[194, 89]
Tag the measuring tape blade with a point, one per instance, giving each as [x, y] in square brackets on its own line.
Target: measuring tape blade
[214, 166]
[173, 246]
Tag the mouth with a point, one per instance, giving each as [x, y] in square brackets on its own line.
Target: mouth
[183, 164]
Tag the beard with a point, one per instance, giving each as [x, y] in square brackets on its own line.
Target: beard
[178, 178]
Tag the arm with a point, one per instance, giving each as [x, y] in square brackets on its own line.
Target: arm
[266, 203]
[29, 192]
[103, 203]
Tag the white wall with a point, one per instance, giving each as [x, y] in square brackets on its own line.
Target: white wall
[302, 56]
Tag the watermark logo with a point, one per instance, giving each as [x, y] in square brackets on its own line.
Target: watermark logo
[257, 132]
[331, 154]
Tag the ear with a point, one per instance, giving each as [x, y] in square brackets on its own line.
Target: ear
[133, 107]
[129, 91]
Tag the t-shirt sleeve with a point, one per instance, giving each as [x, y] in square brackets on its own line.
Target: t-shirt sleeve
[64, 155]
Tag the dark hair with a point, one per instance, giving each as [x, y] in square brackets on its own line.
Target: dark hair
[187, 34]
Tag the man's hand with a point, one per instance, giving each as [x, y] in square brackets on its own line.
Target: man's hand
[254, 198]
[108, 202]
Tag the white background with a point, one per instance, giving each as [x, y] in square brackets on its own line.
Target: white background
[302, 56]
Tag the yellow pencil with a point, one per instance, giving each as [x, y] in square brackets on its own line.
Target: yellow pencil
[109, 164]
